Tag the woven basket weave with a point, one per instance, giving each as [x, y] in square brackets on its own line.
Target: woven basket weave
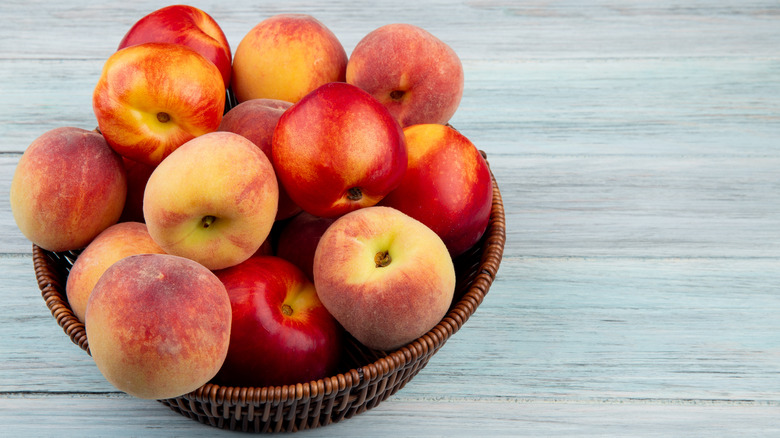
[369, 376]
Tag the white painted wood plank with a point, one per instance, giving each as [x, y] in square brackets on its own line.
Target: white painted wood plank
[39, 95]
[536, 98]
[35, 353]
[636, 144]
[484, 29]
[649, 206]
[89, 415]
[639, 107]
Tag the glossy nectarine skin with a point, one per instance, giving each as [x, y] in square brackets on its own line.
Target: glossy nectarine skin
[338, 149]
[299, 238]
[67, 187]
[151, 98]
[447, 185]
[158, 325]
[188, 26]
[281, 332]
[137, 176]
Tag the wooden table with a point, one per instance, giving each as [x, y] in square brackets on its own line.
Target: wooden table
[637, 148]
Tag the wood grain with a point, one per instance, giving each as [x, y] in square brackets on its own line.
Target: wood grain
[637, 148]
[94, 415]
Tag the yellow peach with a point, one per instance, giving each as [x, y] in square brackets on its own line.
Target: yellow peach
[285, 57]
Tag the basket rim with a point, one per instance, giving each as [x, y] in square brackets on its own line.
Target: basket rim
[345, 383]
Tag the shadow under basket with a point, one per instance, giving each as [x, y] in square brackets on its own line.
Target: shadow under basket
[368, 376]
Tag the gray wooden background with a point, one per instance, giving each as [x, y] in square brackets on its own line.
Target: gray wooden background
[637, 148]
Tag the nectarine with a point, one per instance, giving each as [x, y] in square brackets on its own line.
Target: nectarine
[338, 149]
[151, 98]
[447, 185]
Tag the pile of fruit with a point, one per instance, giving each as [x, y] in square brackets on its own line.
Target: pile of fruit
[242, 246]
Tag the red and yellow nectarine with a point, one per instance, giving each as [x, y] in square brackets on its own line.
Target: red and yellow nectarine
[188, 26]
[151, 98]
[447, 185]
[338, 149]
[281, 333]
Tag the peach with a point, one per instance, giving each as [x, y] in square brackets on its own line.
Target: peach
[113, 244]
[417, 76]
[256, 119]
[212, 200]
[285, 57]
[67, 187]
[158, 325]
[151, 98]
[386, 277]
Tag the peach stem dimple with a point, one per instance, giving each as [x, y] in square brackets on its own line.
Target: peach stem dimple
[397, 94]
[207, 221]
[382, 259]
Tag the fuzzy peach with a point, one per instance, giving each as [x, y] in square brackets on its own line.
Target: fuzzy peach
[383, 275]
[285, 57]
[158, 325]
[417, 76]
[212, 200]
[67, 188]
[113, 244]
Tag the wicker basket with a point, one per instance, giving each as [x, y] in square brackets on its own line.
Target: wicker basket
[368, 376]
